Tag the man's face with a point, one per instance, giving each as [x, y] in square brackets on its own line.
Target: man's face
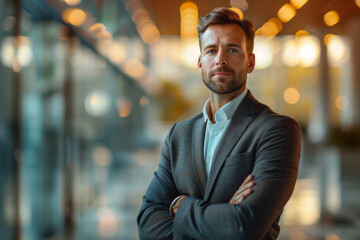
[224, 62]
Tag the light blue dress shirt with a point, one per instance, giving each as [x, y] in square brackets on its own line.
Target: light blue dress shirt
[215, 131]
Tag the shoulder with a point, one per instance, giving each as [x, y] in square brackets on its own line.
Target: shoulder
[182, 128]
[265, 119]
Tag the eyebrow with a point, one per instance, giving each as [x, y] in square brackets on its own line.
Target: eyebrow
[233, 45]
[210, 46]
[227, 45]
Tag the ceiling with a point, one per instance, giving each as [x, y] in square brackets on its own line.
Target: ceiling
[310, 17]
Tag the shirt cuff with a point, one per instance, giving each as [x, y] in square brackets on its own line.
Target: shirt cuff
[173, 203]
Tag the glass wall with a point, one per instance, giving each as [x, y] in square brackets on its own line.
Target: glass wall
[70, 117]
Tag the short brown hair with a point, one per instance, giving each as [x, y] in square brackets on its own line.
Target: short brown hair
[221, 16]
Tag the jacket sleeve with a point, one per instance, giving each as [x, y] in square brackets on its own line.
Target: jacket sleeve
[154, 220]
[275, 171]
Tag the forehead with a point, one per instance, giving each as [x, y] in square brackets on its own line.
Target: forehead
[222, 34]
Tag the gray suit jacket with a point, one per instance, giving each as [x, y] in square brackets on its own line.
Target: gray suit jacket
[257, 141]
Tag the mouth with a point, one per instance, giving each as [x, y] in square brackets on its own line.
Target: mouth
[222, 74]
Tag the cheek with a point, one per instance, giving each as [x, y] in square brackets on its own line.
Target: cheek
[207, 64]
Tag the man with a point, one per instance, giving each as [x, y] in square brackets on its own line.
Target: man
[228, 172]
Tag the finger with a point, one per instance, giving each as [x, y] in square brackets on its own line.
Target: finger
[248, 179]
[242, 188]
[243, 191]
[242, 197]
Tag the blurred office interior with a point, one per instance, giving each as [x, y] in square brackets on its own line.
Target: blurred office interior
[89, 89]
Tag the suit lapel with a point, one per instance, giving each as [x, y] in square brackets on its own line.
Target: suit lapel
[242, 118]
[198, 153]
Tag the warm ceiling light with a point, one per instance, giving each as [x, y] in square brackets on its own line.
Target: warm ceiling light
[357, 2]
[301, 33]
[327, 37]
[331, 18]
[238, 11]
[74, 16]
[304, 51]
[298, 3]
[72, 2]
[308, 51]
[189, 11]
[286, 12]
[188, 19]
[270, 28]
[188, 4]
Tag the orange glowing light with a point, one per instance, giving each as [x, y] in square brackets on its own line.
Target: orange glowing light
[291, 95]
[286, 12]
[331, 18]
[74, 16]
[238, 11]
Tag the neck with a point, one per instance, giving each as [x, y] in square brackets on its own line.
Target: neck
[217, 101]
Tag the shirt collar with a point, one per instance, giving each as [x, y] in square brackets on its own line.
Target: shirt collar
[229, 108]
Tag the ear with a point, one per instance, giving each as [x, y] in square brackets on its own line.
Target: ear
[199, 64]
[251, 63]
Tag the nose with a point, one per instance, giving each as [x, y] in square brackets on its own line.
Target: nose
[221, 58]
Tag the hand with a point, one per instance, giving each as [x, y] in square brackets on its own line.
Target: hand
[176, 206]
[244, 190]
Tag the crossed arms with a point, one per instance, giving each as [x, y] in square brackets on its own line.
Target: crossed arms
[247, 215]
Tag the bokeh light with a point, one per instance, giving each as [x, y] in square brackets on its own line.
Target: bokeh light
[238, 11]
[338, 51]
[72, 2]
[123, 107]
[16, 57]
[144, 100]
[108, 223]
[134, 68]
[309, 51]
[303, 51]
[298, 3]
[301, 33]
[331, 18]
[74, 16]
[270, 28]
[286, 12]
[341, 102]
[188, 19]
[263, 52]
[97, 103]
[102, 156]
[289, 55]
[291, 95]
[357, 2]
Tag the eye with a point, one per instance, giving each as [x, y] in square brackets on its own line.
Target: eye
[233, 50]
[211, 51]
